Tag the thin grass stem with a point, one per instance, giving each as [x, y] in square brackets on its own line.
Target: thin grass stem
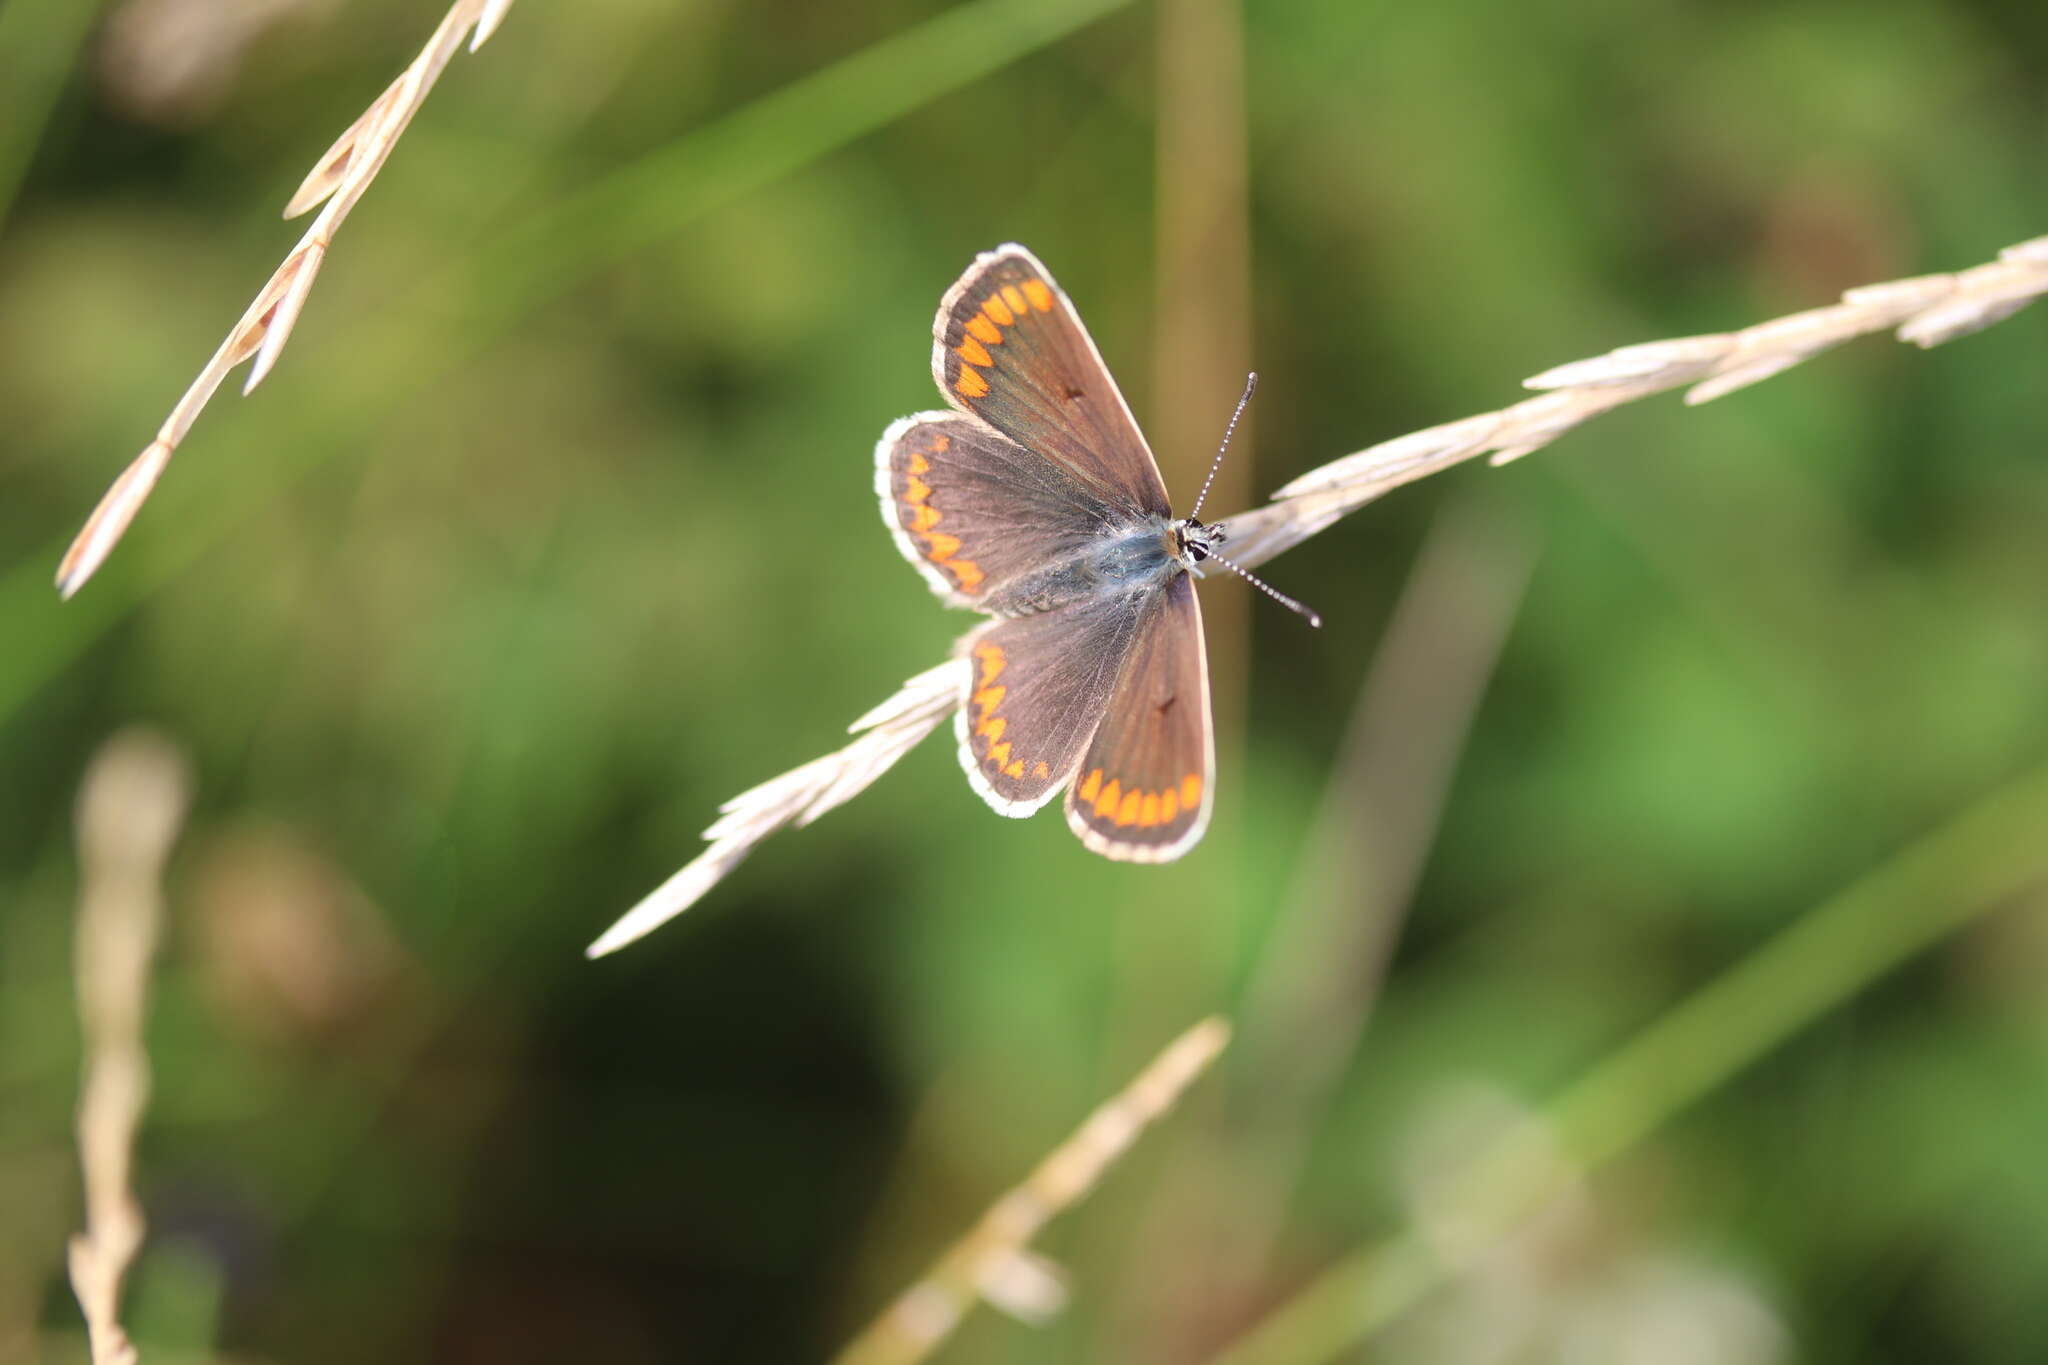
[129, 811]
[1980, 860]
[994, 1260]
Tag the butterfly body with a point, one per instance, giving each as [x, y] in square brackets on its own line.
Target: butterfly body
[1037, 502]
[1124, 560]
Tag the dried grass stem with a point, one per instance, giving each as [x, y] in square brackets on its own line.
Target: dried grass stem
[340, 178]
[128, 815]
[994, 1260]
[1926, 311]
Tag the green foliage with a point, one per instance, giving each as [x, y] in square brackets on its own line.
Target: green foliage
[554, 528]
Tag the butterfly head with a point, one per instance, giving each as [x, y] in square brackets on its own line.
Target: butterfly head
[1193, 541]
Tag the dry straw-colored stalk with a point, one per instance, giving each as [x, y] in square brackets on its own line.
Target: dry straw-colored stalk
[128, 815]
[339, 178]
[994, 1261]
[886, 733]
[1926, 311]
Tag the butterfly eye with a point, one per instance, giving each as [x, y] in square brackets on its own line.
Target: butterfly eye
[1192, 538]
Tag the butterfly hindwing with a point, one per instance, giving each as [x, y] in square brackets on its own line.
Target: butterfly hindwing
[1037, 691]
[1143, 791]
[1011, 350]
[972, 509]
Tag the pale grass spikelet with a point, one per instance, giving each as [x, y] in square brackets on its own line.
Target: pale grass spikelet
[340, 178]
[994, 1261]
[129, 811]
[1029, 1287]
[798, 797]
[1926, 311]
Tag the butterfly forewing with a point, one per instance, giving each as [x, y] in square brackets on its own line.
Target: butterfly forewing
[972, 509]
[1011, 350]
[1037, 692]
[1142, 792]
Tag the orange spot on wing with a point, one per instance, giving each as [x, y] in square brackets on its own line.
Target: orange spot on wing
[988, 699]
[992, 728]
[1040, 296]
[992, 661]
[973, 352]
[916, 489]
[1148, 812]
[968, 572]
[1191, 790]
[1015, 298]
[1106, 799]
[923, 518]
[971, 382]
[1169, 806]
[941, 547]
[1089, 786]
[984, 331]
[919, 464]
[999, 312]
[999, 754]
[1127, 810]
[1015, 769]
[1039, 769]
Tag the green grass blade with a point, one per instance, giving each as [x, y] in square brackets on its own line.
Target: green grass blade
[1977, 862]
[639, 204]
[39, 43]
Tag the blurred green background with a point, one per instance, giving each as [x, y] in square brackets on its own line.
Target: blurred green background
[554, 528]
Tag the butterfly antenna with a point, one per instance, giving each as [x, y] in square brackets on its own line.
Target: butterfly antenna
[1251, 382]
[1267, 588]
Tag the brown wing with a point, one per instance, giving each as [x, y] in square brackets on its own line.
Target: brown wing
[1011, 350]
[972, 509]
[1038, 691]
[1143, 792]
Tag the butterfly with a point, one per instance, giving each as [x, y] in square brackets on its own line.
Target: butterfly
[1036, 501]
